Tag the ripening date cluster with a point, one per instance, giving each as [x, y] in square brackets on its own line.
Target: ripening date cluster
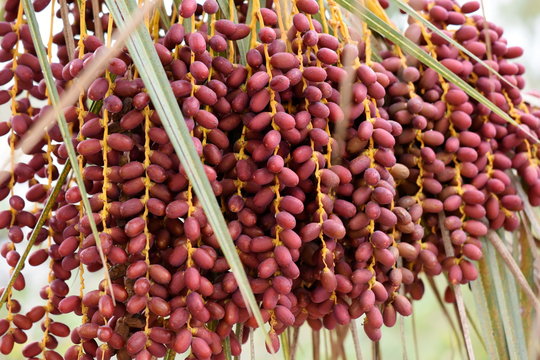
[334, 172]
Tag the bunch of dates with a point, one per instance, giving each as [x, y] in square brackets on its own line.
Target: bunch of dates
[340, 177]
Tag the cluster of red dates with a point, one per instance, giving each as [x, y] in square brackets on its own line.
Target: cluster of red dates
[337, 174]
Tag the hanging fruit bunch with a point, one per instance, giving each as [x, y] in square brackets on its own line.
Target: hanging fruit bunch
[344, 169]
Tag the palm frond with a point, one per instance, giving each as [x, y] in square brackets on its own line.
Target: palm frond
[489, 323]
[492, 272]
[513, 267]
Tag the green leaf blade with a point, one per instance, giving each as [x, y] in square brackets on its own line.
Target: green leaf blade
[489, 320]
[512, 300]
[502, 306]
